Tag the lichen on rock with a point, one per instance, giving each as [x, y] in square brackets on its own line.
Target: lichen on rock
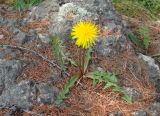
[72, 10]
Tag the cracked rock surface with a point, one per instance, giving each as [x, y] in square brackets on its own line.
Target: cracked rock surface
[24, 93]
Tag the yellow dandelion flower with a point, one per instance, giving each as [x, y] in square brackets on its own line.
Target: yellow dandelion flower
[86, 34]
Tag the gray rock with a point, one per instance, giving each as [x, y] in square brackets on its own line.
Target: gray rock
[9, 52]
[12, 94]
[1, 20]
[47, 93]
[21, 95]
[111, 46]
[133, 93]
[14, 27]
[2, 54]
[140, 113]
[7, 22]
[9, 70]
[15, 30]
[23, 38]
[20, 37]
[25, 93]
[44, 11]
[30, 37]
[44, 38]
[115, 114]
[154, 109]
[154, 70]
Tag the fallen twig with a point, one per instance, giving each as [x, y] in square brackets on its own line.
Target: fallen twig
[35, 53]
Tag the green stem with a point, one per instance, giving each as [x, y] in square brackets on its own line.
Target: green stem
[83, 56]
[80, 62]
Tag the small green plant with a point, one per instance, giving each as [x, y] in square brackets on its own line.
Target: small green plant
[60, 52]
[19, 5]
[63, 94]
[86, 34]
[144, 32]
[25, 4]
[110, 81]
[87, 58]
[134, 39]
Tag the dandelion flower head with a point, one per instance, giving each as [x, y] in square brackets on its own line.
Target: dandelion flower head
[86, 34]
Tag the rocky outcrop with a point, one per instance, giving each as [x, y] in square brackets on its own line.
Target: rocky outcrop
[24, 93]
[154, 71]
[62, 15]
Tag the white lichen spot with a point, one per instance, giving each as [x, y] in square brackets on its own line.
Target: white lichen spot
[69, 9]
